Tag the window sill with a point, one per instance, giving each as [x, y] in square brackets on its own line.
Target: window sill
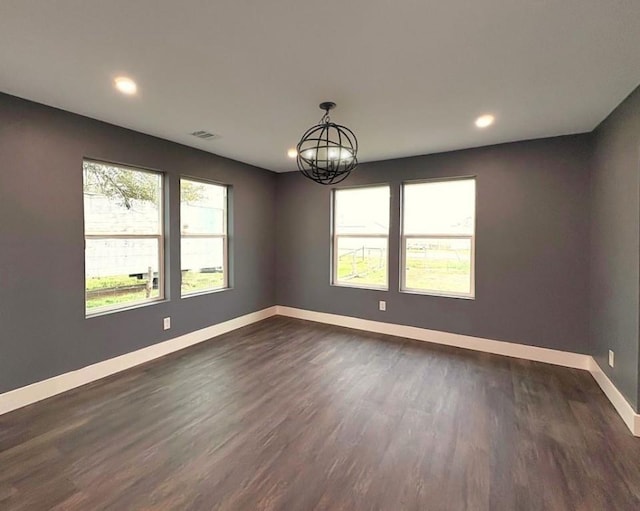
[436, 294]
[355, 286]
[138, 305]
[205, 292]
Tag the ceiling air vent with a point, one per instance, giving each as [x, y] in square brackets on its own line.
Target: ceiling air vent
[204, 135]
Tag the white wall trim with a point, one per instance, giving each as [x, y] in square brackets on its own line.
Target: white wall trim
[619, 402]
[44, 389]
[562, 358]
[38, 391]
[549, 356]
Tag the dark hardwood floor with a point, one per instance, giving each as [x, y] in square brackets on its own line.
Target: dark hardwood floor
[290, 415]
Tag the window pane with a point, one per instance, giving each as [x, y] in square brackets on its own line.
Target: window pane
[203, 212]
[202, 264]
[121, 271]
[121, 203]
[202, 207]
[440, 207]
[362, 210]
[120, 200]
[438, 265]
[362, 261]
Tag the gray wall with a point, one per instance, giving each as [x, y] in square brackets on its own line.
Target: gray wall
[532, 244]
[43, 330]
[545, 208]
[615, 253]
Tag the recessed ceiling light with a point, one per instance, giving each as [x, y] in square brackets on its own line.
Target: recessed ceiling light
[292, 153]
[125, 85]
[485, 120]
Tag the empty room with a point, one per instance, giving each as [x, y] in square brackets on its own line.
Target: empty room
[302, 256]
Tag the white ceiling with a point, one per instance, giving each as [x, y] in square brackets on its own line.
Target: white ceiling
[409, 76]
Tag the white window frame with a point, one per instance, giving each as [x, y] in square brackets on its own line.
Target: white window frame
[405, 237]
[224, 236]
[336, 237]
[98, 311]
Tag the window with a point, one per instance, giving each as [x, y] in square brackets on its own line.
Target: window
[203, 225]
[361, 237]
[438, 237]
[123, 236]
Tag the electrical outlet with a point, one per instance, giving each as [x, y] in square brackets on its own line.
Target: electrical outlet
[382, 305]
[611, 358]
[167, 323]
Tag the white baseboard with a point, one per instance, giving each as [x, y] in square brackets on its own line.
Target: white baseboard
[38, 391]
[619, 402]
[562, 358]
[549, 356]
[44, 389]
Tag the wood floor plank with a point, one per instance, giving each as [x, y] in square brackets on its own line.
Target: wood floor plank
[292, 415]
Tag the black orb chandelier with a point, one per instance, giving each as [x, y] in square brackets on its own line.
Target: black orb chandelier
[327, 152]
